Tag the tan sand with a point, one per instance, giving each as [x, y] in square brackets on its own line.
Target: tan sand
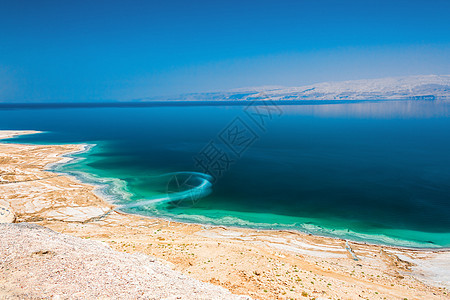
[260, 263]
[52, 265]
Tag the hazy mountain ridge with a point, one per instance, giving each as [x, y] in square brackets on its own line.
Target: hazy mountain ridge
[428, 87]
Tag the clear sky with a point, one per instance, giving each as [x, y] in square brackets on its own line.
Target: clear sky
[94, 50]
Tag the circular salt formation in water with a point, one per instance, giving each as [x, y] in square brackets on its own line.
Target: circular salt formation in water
[181, 188]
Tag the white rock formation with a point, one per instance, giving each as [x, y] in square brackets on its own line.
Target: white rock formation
[428, 87]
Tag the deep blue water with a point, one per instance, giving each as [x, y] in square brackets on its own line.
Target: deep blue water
[378, 172]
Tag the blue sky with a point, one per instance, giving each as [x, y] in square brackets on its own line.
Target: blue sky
[122, 50]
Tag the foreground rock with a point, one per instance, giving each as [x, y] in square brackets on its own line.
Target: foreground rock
[6, 213]
[37, 262]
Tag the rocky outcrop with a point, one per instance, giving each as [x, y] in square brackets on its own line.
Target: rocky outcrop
[6, 213]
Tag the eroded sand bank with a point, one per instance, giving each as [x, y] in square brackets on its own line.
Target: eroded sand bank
[258, 263]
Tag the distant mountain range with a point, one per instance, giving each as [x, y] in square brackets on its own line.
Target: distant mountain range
[427, 87]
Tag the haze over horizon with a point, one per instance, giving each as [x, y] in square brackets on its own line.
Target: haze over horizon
[116, 50]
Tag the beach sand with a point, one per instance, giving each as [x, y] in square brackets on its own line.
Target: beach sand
[263, 264]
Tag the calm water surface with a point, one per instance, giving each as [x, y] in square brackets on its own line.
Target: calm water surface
[376, 172]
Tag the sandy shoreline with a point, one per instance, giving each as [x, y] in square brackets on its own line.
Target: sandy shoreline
[69, 157]
[264, 264]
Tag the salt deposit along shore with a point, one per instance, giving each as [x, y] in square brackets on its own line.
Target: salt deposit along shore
[89, 250]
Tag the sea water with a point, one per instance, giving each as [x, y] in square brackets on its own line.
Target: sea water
[371, 171]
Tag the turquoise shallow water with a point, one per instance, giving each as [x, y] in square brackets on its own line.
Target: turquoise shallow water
[375, 172]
